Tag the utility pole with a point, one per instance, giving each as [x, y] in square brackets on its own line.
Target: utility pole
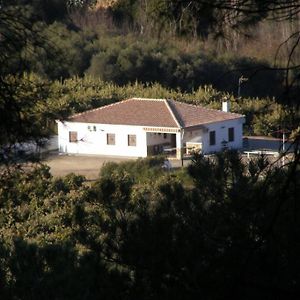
[241, 80]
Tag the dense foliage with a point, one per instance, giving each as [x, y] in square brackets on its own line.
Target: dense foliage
[228, 230]
[69, 44]
[220, 229]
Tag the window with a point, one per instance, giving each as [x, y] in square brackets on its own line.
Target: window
[230, 134]
[131, 140]
[212, 138]
[73, 136]
[110, 139]
[165, 135]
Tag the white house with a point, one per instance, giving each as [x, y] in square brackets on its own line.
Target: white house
[139, 127]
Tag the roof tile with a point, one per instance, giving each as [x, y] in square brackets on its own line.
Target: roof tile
[154, 113]
[189, 115]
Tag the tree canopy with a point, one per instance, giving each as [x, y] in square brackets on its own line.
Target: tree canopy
[223, 229]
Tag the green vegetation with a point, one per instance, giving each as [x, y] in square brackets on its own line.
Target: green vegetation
[89, 57]
[130, 58]
[93, 42]
[25, 113]
[140, 233]
[98, 54]
[221, 228]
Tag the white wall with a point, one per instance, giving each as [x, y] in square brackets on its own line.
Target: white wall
[95, 142]
[221, 129]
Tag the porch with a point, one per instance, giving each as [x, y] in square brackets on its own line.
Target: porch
[161, 143]
[174, 145]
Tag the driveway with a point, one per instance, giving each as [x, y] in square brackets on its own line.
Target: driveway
[87, 165]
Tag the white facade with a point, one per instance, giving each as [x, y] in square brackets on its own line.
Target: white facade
[93, 138]
[90, 141]
[222, 136]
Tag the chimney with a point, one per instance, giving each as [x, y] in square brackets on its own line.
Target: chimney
[225, 106]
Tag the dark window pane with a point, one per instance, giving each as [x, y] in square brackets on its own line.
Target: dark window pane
[212, 138]
[230, 134]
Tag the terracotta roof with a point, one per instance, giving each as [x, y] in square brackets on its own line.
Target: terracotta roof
[189, 115]
[154, 113]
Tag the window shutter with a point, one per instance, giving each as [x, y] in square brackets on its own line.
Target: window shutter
[73, 136]
[131, 140]
[111, 139]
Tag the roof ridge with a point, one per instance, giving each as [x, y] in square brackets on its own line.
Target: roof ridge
[148, 99]
[173, 113]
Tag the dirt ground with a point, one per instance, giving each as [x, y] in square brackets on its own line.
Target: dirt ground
[87, 165]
